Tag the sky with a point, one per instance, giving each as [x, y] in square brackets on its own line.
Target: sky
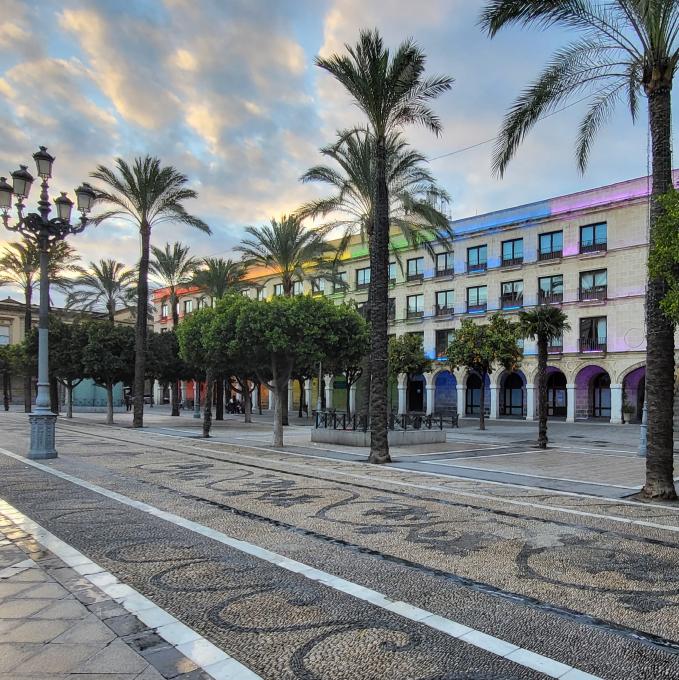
[227, 92]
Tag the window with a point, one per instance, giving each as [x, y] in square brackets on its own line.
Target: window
[477, 259]
[555, 345]
[363, 310]
[164, 309]
[317, 286]
[163, 330]
[340, 282]
[188, 306]
[512, 294]
[415, 270]
[392, 272]
[593, 285]
[512, 252]
[201, 303]
[445, 302]
[278, 290]
[593, 237]
[593, 334]
[477, 299]
[415, 306]
[391, 309]
[363, 277]
[444, 339]
[550, 289]
[550, 245]
[4, 335]
[297, 288]
[445, 264]
[260, 294]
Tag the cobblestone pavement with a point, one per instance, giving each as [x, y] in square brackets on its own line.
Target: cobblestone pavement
[587, 582]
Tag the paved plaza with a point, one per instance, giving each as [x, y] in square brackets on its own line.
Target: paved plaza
[481, 558]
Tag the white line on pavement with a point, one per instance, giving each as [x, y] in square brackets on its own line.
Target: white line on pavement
[202, 652]
[489, 643]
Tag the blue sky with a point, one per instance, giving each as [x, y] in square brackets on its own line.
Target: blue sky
[226, 90]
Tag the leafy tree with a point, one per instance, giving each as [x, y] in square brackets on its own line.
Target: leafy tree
[392, 92]
[164, 362]
[544, 324]
[66, 357]
[480, 348]
[217, 277]
[406, 356]
[147, 194]
[108, 357]
[627, 48]
[108, 284]
[20, 267]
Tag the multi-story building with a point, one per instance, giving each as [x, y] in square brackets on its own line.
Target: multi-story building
[585, 252]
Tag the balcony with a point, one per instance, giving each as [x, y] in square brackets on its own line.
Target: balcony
[549, 298]
[555, 346]
[592, 293]
[441, 351]
[512, 262]
[593, 247]
[440, 273]
[550, 255]
[511, 300]
[477, 309]
[592, 344]
[443, 310]
[414, 313]
[415, 277]
[477, 268]
[363, 286]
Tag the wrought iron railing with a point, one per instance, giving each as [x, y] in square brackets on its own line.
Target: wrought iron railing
[549, 298]
[512, 261]
[593, 246]
[550, 255]
[593, 293]
[511, 300]
[334, 420]
[592, 344]
[445, 272]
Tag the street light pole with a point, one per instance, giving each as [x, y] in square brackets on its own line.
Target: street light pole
[44, 233]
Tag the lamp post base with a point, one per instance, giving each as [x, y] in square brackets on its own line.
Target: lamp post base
[42, 436]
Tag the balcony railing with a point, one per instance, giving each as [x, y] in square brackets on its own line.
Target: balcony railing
[415, 277]
[391, 314]
[556, 346]
[362, 286]
[475, 268]
[444, 272]
[592, 344]
[593, 246]
[441, 351]
[414, 313]
[511, 300]
[549, 298]
[475, 309]
[550, 255]
[593, 293]
[512, 262]
[443, 310]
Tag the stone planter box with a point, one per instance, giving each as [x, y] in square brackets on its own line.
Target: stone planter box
[360, 438]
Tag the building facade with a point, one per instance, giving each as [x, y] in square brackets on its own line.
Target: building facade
[585, 252]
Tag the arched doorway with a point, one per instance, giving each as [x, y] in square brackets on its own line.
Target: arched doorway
[593, 393]
[445, 392]
[557, 395]
[415, 393]
[473, 395]
[601, 396]
[633, 393]
[512, 395]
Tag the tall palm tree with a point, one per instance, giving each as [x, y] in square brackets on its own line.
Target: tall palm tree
[174, 268]
[108, 284]
[626, 48]
[544, 324]
[20, 267]
[217, 277]
[392, 92]
[147, 195]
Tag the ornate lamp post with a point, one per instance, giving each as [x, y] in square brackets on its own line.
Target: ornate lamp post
[44, 232]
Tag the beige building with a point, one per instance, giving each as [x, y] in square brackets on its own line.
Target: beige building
[585, 252]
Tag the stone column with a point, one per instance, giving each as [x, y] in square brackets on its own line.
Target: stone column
[494, 406]
[530, 402]
[431, 396]
[182, 392]
[290, 396]
[616, 404]
[461, 399]
[272, 397]
[329, 387]
[570, 403]
[307, 394]
[196, 399]
[402, 387]
[157, 392]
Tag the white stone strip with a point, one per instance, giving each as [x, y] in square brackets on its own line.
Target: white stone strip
[180, 634]
[202, 652]
[17, 568]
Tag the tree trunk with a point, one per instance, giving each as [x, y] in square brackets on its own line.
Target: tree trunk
[659, 329]
[109, 403]
[348, 400]
[219, 398]
[379, 276]
[28, 322]
[174, 389]
[482, 402]
[247, 402]
[141, 327]
[69, 408]
[54, 395]
[542, 392]
[259, 398]
[152, 388]
[207, 408]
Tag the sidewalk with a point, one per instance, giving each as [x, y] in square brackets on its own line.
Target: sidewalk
[55, 624]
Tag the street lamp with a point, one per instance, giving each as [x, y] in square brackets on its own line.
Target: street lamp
[44, 233]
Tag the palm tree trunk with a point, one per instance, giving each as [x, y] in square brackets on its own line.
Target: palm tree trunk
[207, 408]
[141, 327]
[482, 402]
[28, 322]
[659, 329]
[379, 276]
[219, 398]
[542, 392]
[109, 403]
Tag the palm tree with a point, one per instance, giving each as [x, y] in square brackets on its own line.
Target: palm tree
[544, 324]
[108, 284]
[146, 194]
[627, 48]
[20, 267]
[391, 91]
[217, 277]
